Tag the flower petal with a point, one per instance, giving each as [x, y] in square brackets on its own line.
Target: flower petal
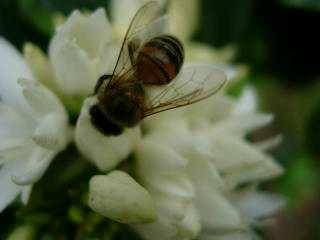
[75, 72]
[39, 65]
[9, 190]
[174, 184]
[90, 33]
[242, 124]
[52, 132]
[41, 100]
[247, 103]
[122, 12]
[179, 24]
[258, 205]
[35, 166]
[121, 198]
[203, 172]
[12, 68]
[233, 154]
[162, 229]
[214, 109]
[190, 226]
[216, 213]
[266, 169]
[205, 53]
[104, 151]
[269, 143]
[13, 124]
[153, 156]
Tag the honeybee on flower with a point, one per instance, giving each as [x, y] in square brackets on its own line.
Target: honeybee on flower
[149, 57]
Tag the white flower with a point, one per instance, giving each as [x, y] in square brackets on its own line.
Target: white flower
[187, 164]
[125, 199]
[192, 161]
[33, 127]
[79, 53]
[208, 160]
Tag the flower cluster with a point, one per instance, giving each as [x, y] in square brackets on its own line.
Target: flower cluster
[183, 174]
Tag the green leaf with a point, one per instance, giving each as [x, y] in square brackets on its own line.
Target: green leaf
[300, 180]
[37, 15]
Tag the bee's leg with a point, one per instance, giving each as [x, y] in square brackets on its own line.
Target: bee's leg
[100, 81]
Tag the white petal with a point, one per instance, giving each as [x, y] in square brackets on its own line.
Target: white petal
[162, 229]
[107, 59]
[173, 132]
[234, 154]
[205, 53]
[179, 24]
[203, 172]
[13, 124]
[52, 132]
[258, 205]
[242, 124]
[190, 226]
[9, 190]
[35, 166]
[263, 170]
[89, 32]
[25, 194]
[75, 72]
[41, 100]
[174, 184]
[121, 198]
[94, 33]
[154, 157]
[122, 12]
[247, 103]
[104, 151]
[12, 67]
[40, 66]
[15, 148]
[216, 213]
[269, 143]
[210, 110]
[171, 207]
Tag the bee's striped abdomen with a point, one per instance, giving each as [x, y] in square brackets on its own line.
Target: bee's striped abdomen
[160, 60]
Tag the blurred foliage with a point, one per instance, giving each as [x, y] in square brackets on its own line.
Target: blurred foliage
[300, 181]
[278, 39]
[308, 4]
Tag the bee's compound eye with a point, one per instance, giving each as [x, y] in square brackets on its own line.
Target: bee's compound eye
[101, 122]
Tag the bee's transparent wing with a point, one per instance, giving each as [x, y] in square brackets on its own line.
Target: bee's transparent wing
[148, 22]
[194, 83]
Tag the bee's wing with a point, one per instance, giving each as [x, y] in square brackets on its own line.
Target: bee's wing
[148, 22]
[194, 83]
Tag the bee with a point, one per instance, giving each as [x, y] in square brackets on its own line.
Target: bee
[149, 58]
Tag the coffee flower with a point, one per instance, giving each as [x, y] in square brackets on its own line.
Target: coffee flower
[182, 174]
[192, 162]
[79, 53]
[33, 127]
